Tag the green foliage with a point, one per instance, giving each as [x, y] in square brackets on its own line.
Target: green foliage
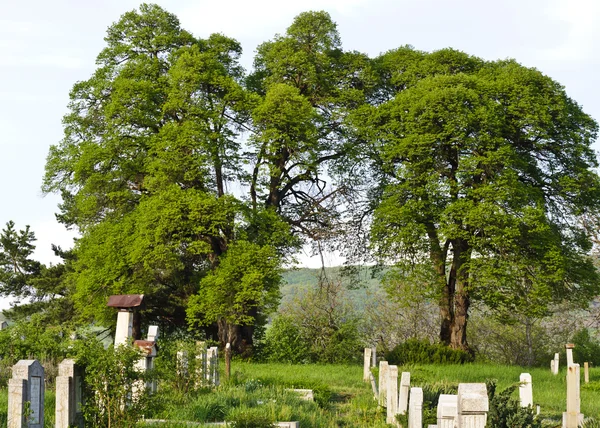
[284, 342]
[586, 348]
[110, 376]
[506, 412]
[415, 351]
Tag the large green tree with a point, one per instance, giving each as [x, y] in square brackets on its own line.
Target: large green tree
[489, 168]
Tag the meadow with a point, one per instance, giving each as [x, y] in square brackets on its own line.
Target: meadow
[258, 394]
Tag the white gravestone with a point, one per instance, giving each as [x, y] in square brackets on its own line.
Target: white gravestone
[473, 405]
[374, 357]
[124, 327]
[569, 351]
[556, 363]
[572, 418]
[403, 393]
[367, 364]
[525, 390]
[447, 411]
[69, 395]
[392, 394]
[383, 367]
[26, 395]
[415, 408]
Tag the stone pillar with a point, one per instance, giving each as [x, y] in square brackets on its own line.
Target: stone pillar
[404, 392]
[586, 372]
[367, 364]
[569, 350]
[69, 395]
[447, 411]
[525, 390]
[215, 366]
[383, 368]
[473, 405]
[392, 394]
[415, 408]
[124, 327]
[572, 418]
[556, 364]
[374, 357]
[26, 395]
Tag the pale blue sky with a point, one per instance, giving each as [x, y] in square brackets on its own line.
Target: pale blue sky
[46, 46]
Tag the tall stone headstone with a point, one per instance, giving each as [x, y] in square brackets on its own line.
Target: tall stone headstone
[403, 393]
[383, 368]
[569, 351]
[447, 411]
[586, 372]
[552, 366]
[374, 357]
[525, 390]
[473, 405]
[367, 363]
[212, 366]
[26, 395]
[556, 363]
[127, 305]
[392, 394]
[415, 408]
[69, 395]
[572, 418]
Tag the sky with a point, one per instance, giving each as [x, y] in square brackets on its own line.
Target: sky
[45, 47]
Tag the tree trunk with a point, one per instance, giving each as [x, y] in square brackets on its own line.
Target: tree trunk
[458, 337]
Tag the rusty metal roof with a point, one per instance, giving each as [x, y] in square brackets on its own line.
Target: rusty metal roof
[125, 300]
[145, 345]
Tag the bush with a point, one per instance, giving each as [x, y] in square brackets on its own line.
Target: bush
[586, 348]
[506, 412]
[284, 342]
[421, 352]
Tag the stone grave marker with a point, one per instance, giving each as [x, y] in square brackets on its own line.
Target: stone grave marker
[367, 364]
[392, 394]
[473, 405]
[569, 351]
[572, 418]
[69, 395]
[556, 364]
[447, 411]
[525, 390]
[26, 395]
[383, 368]
[586, 372]
[415, 408]
[128, 306]
[403, 393]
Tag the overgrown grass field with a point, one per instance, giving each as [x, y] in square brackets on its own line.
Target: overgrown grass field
[258, 393]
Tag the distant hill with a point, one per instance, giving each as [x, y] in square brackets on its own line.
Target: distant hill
[361, 282]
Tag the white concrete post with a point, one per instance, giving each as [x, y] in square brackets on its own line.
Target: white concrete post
[447, 411]
[374, 357]
[392, 394]
[473, 405]
[572, 418]
[415, 408]
[556, 363]
[586, 372]
[404, 392]
[69, 395]
[569, 351]
[383, 368]
[367, 364]
[124, 327]
[525, 390]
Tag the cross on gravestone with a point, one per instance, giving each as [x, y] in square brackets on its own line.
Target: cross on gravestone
[447, 411]
[367, 364]
[392, 394]
[525, 390]
[415, 408]
[473, 405]
[26, 395]
[383, 367]
[69, 395]
[403, 393]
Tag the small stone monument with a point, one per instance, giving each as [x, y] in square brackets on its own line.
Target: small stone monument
[374, 357]
[69, 395]
[556, 364]
[212, 366]
[447, 411]
[586, 372]
[367, 364]
[128, 305]
[392, 394]
[473, 405]
[383, 368]
[403, 393]
[525, 390]
[572, 418]
[26, 395]
[415, 408]
[149, 349]
[569, 350]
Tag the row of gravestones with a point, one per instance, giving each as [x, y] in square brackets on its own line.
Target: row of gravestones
[466, 409]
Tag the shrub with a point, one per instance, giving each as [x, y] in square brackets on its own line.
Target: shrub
[586, 348]
[284, 342]
[421, 352]
[506, 412]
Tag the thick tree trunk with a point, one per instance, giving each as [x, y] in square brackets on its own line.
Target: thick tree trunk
[458, 337]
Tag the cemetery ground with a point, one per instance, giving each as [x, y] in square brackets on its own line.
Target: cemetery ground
[259, 392]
